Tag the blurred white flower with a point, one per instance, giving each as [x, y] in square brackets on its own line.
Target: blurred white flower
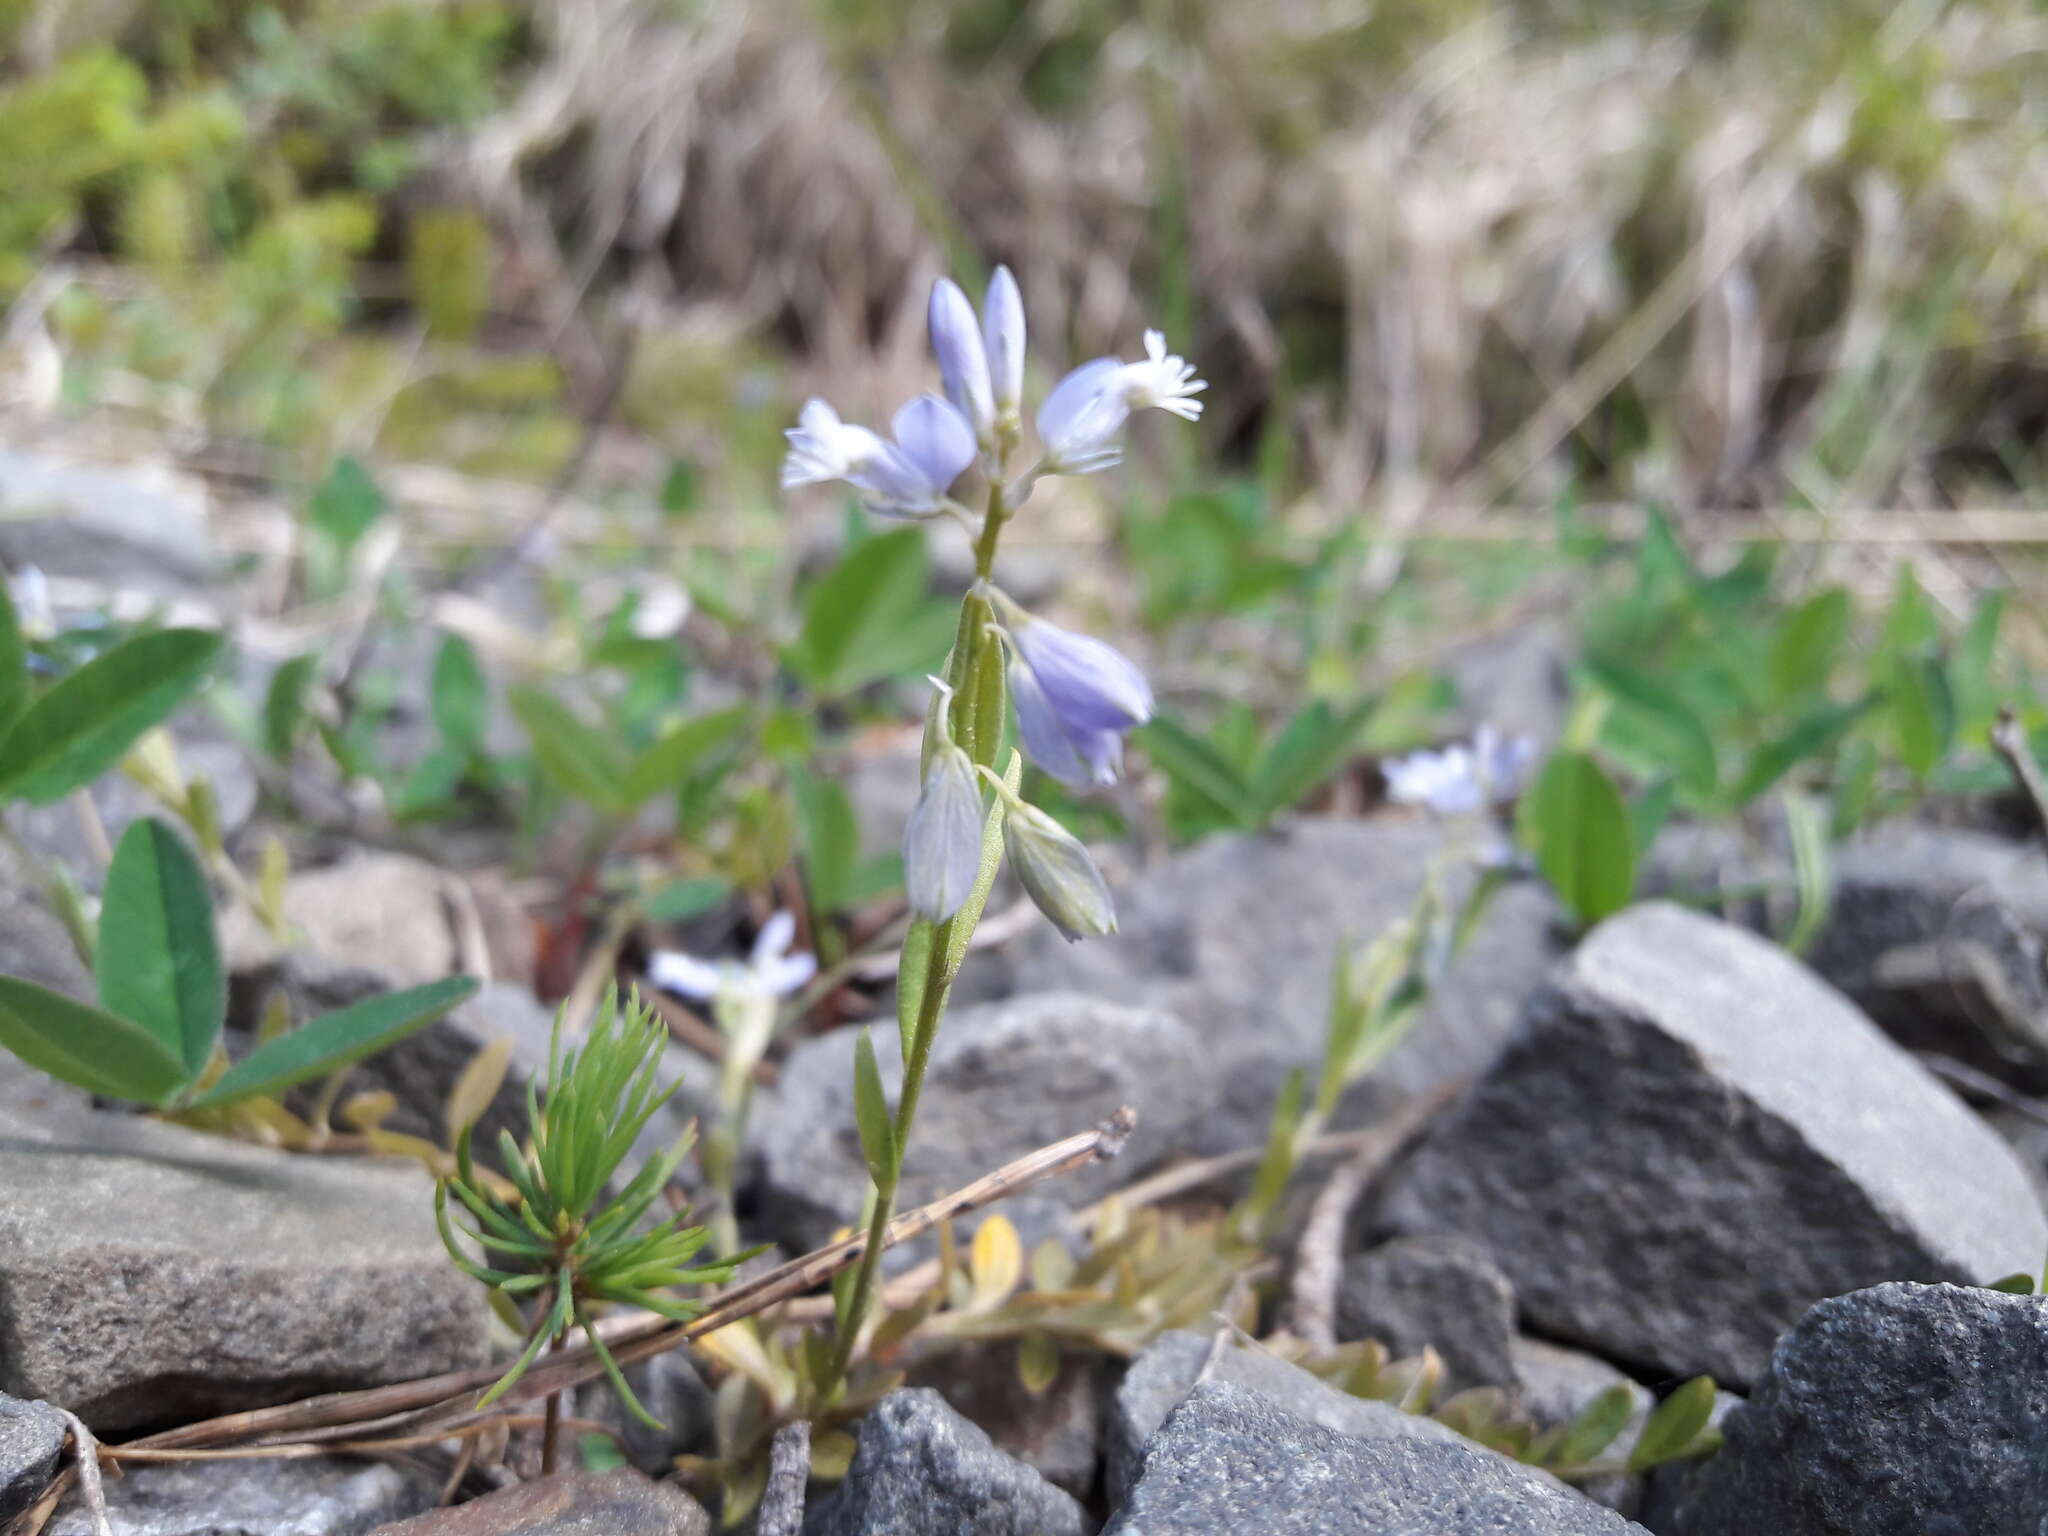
[822, 447]
[770, 971]
[29, 591]
[1461, 780]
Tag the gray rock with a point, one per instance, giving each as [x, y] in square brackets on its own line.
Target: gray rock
[1237, 936]
[31, 1443]
[1056, 1432]
[34, 945]
[668, 1387]
[1004, 1078]
[1681, 1091]
[1169, 1367]
[1518, 682]
[132, 528]
[150, 1273]
[922, 1470]
[327, 1497]
[1903, 1410]
[377, 909]
[1443, 1292]
[620, 1502]
[1228, 1459]
[55, 833]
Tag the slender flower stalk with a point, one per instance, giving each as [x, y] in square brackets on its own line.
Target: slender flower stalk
[1075, 696]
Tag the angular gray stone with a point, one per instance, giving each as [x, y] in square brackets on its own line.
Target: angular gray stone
[138, 527]
[1902, 1410]
[1229, 1460]
[373, 908]
[620, 1502]
[1056, 1432]
[31, 1443]
[1691, 1139]
[328, 1497]
[922, 1470]
[1004, 1079]
[668, 1387]
[150, 1273]
[1443, 1292]
[1168, 1368]
[34, 945]
[1237, 936]
[55, 833]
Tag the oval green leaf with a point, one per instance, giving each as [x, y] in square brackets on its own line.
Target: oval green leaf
[1574, 821]
[99, 1052]
[335, 1040]
[1675, 1426]
[80, 727]
[158, 962]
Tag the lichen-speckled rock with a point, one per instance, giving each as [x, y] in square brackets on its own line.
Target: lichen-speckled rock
[336, 1496]
[1692, 1138]
[1169, 1367]
[1228, 1460]
[31, 1441]
[1237, 935]
[150, 1273]
[620, 1502]
[1902, 1410]
[1005, 1078]
[922, 1470]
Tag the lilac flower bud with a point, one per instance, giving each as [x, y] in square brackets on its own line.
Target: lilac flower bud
[942, 844]
[1091, 686]
[1055, 870]
[1002, 322]
[963, 364]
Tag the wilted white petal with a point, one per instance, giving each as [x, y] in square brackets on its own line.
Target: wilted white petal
[936, 438]
[787, 974]
[1002, 321]
[1162, 381]
[774, 939]
[956, 340]
[942, 844]
[1057, 873]
[822, 447]
[673, 971]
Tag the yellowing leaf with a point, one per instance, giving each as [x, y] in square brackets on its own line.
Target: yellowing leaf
[1038, 1362]
[997, 1261]
[476, 1087]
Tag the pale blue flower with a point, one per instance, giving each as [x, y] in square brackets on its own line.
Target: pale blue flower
[1075, 696]
[1079, 758]
[963, 360]
[905, 478]
[770, 971]
[1002, 323]
[1463, 780]
[1081, 422]
[942, 843]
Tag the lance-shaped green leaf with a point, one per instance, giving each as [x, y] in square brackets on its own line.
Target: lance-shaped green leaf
[871, 1112]
[578, 758]
[1595, 1428]
[1674, 1429]
[672, 759]
[14, 689]
[158, 962]
[100, 1052]
[1574, 822]
[79, 728]
[335, 1040]
[1309, 749]
[1198, 768]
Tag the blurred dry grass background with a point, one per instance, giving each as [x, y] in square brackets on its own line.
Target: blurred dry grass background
[1433, 256]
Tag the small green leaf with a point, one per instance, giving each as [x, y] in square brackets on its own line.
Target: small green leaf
[284, 703]
[1813, 863]
[1807, 642]
[911, 968]
[578, 759]
[346, 503]
[1923, 715]
[335, 1040]
[830, 838]
[1595, 1428]
[158, 962]
[99, 1052]
[872, 616]
[871, 1112]
[1308, 751]
[1199, 769]
[1574, 822]
[681, 900]
[14, 680]
[2014, 1285]
[1681, 743]
[80, 727]
[1811, 736]
[461, 696]
[1674, 1426]
[1276, 1163]
[1038, 1362]
[672, 759]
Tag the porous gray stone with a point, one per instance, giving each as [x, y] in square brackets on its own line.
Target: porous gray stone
[326, 1497]
[1229, 1459]
[31, 1441]
[1168, 1368]
[1237, 936]
[1445, 1293]
[621, 1502]
[1004, 1078]
[1692, 1138]
[922, 1470]
[150, 1273]
[1901, 1410]
[1057, 1432]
